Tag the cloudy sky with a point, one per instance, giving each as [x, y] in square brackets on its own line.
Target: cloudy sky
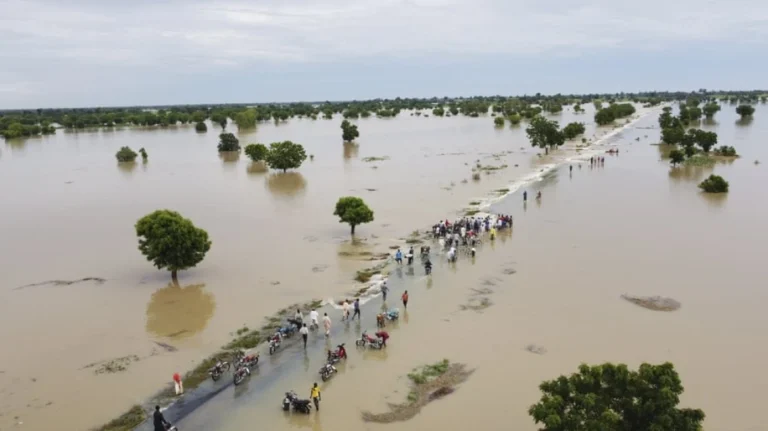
[57, 53]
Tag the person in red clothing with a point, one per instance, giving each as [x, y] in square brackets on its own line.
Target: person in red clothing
[384, 337]
[177, 383]
[405, 299]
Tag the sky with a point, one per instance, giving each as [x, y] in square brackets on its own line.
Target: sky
[77, 53]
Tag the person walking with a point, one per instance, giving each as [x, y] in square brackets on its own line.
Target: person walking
[327, 324]
[357, 309]
[299, 317]
[384, 289]
[315, 395]
[158, 420]
[405, 300]
[399, 257]
[313, 315]
[177, 384]
[525, 196]
[304, 331]
[345, 310]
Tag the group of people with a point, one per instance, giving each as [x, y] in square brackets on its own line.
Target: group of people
[466, 232]
[597, 161]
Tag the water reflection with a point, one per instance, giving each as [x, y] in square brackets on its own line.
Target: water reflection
[286, 184]
[709, 122]
[127, 168]
[689, 173]
[743, 122]
[229, 156]
[256, 168]
[350, 151]
[179, 312]
[715, 200]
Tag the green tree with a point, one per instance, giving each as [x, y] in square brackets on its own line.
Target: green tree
[694, 113]
[228, 142]
[611, 397]
[201, 127]
[438, 112]
[125, 154]
[714, 184]
[706, 140]
[745, 111]
[710, 109]
[171, 241]
[689, 150]
[514, 118]
[354, 211]
[573, 130]
[144, 155]
[454, 110]
[672, 135]
[598, 104]
[256, 152]
[577, 108]
[544, 133]
[725, 150]
[498, 121]
[604, 116]
[676, 157]
[349, 131]
[285, 155]
[665, 120]
[245, 119]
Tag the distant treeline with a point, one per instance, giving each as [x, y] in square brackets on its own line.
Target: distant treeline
[17, 123]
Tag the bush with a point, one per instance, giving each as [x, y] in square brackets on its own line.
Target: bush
[676, 156]
[201, 127]
[745, 110]
[573, 130]
[126, 155]
[726, 151]
[228, 142]
[714, 184]
[498, 121]
[256, 152]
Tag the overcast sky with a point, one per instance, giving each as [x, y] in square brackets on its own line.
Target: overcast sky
[62, 53]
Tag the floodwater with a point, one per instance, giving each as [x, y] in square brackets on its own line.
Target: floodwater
[633, 226]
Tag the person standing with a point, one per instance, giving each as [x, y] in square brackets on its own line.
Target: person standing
[405, 299]
[299, 317]
[345, 310]
[525, 196]
[384, 289]
[177, 384]
[304, 331]
[399, 257]
[313, 319]
[357, 309]
[315, 395]
[159, 421]
[327, 324]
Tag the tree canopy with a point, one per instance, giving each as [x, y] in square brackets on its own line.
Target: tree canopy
[612, 112]
[714, 184]
[676, 157]
[285, 155]
[498, 121]
[349, 131]
[710, 109]
[354, 211]
[201, 127]
[613, 398]
[256, 152]
[544, 133]
[171, 241]
[745, 110]
[573, 130]
[228, 142]
[126, 154]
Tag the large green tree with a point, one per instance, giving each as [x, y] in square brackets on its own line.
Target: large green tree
[705, 140]
[573, 130]
[228, 142]
[256, 152]
[285, 155]
[354, 211]
[710, 109]
[745, 110]
[171, 241]
[611, 397]
[349, 131]
[544, 133]
[676, 157]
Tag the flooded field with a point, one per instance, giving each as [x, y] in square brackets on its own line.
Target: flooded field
[631, 227]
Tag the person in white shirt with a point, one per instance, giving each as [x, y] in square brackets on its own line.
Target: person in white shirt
[345, 310]
[313, 318]
[298, 316]
[452, 254]
[304, 331]
[327, 324]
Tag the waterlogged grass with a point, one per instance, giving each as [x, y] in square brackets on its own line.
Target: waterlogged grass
[126, 422]
[427, 372]
[699, 160]
[502, 191]
[474, 203]
[375, 159]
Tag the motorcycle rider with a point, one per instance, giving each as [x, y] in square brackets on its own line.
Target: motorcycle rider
[159, 420]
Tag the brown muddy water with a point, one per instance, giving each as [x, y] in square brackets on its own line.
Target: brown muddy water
[633, 226]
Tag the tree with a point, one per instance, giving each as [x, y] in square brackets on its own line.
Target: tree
[285, 155]
[665, 120]
[256, 152]
[438, 112]
[726, 151]
[144, 155]
[694, 113]
[676, 156]
[201, 127]
[604, 116]
[598, 104]
[710, 109]
[514, 118]
[612, 397]
[498, 121]
[125, 154]
[228, 142]
[171, 241]
[573, 130]
[745, 111]
[354, 211]
[714, 184]
[706, 140]
[544, 133]
[672, 135]
[349, 131]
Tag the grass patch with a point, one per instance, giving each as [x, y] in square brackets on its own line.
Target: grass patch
[699, 160]
[427, 372]
[502, 191]
[242, 330]
[125, 422]
[412, 241]
[492, 168]
[246, 340]
[470, 212]
[474, 203]
[374, 159]
[364, 275]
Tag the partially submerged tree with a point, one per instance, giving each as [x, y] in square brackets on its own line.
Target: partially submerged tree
[228, 142]
[573, 130]
[144, 155]
[201, 127]
[285, 155]
[705, 140]
[354, 211]
[126, 154]
[714, 184]
[498, 121]
[676, 157]
[710, 109]
[672, 135]
[745, 110]
[544, 133]
[171, 241]
[349, 131]
[611, 397]
[257, 152]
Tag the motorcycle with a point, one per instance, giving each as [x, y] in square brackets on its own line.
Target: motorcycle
[217, 370]
[367, 340]
[249, 361]
[240, 374]
[393, 314]
[327, 371]
[288, 330]
[301, 406]
[337, 355]
[274, 342]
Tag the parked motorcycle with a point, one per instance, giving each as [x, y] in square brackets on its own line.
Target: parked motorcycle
[217, 370]
[335, 356]
[250, 360]
[274, 342]
[367, 340]
[241, 373]
[301, 406]
[327, 371]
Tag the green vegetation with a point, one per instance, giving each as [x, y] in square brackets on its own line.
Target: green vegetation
[353, 211]
[701, 160]
[577, 108]
[171, 241]
[228, 142]
[374, 159]
[710, 109]
[201, 127]
[426, 373]
[544, 133]
[438, 112]
[745, 111]
[498, 121]
[144, 155]
[714, 184]
[349, 131]
[257, 152]
[128, 421]
[245, 119]
[612, 397]
[613, 112]
[126, 154]
[573, 130]
[725, 151]
[676, 157]
[285, 155]
[514, 118]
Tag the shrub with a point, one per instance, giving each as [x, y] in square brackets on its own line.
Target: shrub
[714, 184]
[126, 155]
